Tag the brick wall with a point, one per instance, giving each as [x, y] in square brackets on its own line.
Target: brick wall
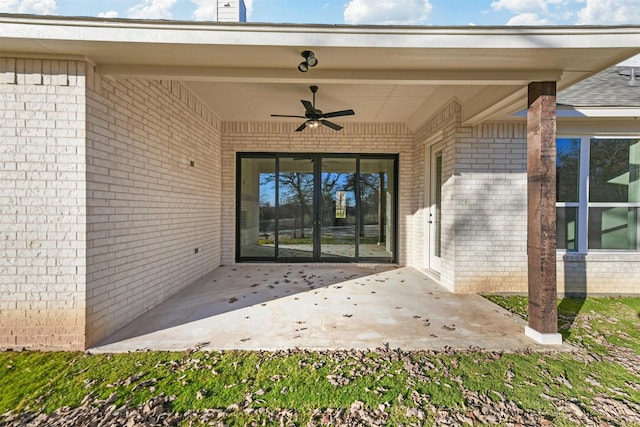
[279, 137]
[42, 203]
[483, 203]
[441, 130]
[154, 197]
[491, 209]
[599, 273]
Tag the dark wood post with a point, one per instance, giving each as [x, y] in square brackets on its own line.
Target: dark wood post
[382, 209]
[541, 230]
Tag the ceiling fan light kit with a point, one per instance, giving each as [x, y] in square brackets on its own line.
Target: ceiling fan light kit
[315, 117]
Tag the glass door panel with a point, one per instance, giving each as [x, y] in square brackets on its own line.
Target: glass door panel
[376, 233]
[435, 219]
[338, 207]
[257, 205]
[295, 207]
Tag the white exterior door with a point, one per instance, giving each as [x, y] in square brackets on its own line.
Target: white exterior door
[434, 211]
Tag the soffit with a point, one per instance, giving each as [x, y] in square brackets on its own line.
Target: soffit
[245, 72]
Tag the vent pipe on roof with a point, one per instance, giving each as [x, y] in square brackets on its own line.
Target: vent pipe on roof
[633, 82]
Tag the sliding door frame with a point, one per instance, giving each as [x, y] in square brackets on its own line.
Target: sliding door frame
[316, 213]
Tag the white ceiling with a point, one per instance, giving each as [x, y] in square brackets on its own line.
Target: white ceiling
[246, 72]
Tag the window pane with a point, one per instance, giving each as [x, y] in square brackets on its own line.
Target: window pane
[295, 207]
[567, 228]
[614, 172]
[613, 228]
[376, 208]
[257, 207]
[338, 194]
[567, 169]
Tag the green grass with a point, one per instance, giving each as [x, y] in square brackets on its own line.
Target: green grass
[605, 332]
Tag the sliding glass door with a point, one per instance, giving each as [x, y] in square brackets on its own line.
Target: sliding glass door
[316, 208]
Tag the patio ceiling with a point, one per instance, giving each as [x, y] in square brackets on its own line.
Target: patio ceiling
[245, 72]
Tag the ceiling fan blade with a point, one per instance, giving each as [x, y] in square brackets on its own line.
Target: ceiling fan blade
[301, 127]
[285, 115]
[308, 106]
[331, 125]
[338, 113]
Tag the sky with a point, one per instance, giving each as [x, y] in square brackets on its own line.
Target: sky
[378, 12]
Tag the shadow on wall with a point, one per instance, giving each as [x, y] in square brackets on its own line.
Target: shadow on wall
[575, 292]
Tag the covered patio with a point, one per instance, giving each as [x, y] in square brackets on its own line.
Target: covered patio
[145, 125]
[321, 307]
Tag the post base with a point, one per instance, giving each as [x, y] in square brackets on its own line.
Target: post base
[545, 339]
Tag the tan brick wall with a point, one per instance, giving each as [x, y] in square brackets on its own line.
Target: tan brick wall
[148, 207]
[277, 137]
[42, 203]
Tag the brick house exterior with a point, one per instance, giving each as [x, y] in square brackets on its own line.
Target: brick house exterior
[108, 185]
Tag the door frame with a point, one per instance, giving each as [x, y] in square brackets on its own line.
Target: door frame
[433, 146]
[317, 208]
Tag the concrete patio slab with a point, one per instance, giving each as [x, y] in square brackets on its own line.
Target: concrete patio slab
[321, 307]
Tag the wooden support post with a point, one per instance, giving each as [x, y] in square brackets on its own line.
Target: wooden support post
[382, 209]
[541, 231]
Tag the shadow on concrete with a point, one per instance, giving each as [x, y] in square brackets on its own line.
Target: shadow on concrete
[321, 307]
[575, 285]
[232, 288]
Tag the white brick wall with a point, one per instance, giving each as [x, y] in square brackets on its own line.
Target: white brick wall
[148, 207]
[599, 273]
[42, 203]
[441, 128]
[491, 209]
[278, 137]
[485, 215]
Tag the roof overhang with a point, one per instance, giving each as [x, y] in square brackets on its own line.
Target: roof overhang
[247, 71]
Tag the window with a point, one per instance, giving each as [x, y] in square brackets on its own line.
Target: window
[598, 193]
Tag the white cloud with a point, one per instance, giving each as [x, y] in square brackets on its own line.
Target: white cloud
[38, 7]
[205, 10]
[538, 12]
[152, 9]
[610, 12]
[522, 6]
[108, 14]
[387, 11]
[528, 19]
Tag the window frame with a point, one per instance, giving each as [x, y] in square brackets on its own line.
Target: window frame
[583, 204]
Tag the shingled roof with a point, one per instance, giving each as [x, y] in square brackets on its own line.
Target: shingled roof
[606, 89]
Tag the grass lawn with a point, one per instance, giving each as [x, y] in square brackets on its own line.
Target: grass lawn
[598, 382]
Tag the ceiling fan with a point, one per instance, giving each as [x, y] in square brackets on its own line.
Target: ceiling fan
[316, 117]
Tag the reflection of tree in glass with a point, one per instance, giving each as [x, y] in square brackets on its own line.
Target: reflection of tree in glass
[609, 170]
[266, 202]
[567, 169]
[296, 190]
[329, 185]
